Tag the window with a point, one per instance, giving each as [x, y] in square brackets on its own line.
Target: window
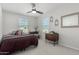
[23, 24]
[45, 25]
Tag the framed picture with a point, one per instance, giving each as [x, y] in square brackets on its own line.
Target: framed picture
[56, 22]
[51, 19]
[70, 20]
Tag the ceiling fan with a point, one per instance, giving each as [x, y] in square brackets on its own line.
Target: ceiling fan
[34, 9]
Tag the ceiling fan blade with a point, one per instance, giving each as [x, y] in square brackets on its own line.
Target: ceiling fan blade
[34, 9]
[29, 11]
[39, 12]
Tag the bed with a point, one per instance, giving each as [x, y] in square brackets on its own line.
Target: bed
[13, 43]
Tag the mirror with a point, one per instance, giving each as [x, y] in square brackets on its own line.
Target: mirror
[71, 20]
[51, 19]
[56, 22]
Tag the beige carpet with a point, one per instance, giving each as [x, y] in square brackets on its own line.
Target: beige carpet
[45, 48]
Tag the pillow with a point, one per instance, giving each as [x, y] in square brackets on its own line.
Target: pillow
[18, 32]
[13, 33]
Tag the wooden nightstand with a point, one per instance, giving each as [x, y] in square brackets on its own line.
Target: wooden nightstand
[52, 37]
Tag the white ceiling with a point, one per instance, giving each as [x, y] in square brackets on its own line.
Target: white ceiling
[23, 8]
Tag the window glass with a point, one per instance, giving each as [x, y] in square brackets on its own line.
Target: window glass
[23, 24]
[45, 24]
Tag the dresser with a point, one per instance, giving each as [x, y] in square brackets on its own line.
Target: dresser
[52, 37]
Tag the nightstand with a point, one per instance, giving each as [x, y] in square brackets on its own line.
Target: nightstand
[52, 37]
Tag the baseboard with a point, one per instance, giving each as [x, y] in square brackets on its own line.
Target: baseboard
[69, 46]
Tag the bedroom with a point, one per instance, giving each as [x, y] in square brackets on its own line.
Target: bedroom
[14, 15]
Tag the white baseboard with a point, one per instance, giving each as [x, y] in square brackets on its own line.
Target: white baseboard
[65, 45]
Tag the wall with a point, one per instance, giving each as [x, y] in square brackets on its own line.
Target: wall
[0, 23]
[10, 21]
[68, 36]
[32, 23]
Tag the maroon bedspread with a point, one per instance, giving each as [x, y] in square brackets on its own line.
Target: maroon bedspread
[14, 43]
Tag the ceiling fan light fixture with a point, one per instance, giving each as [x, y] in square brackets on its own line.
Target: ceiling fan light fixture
[34, 12]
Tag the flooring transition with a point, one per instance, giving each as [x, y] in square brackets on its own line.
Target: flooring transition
[46, 48]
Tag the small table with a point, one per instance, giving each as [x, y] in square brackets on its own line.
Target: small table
[52, 37]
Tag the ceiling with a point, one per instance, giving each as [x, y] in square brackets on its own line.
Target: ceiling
[23, 8]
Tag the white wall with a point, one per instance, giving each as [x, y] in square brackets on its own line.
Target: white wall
[0, 23]
[0, 20]
[68, 36]
[10, 21]
[32, 23]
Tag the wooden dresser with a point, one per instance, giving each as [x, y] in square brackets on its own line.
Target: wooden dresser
[52, 37]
